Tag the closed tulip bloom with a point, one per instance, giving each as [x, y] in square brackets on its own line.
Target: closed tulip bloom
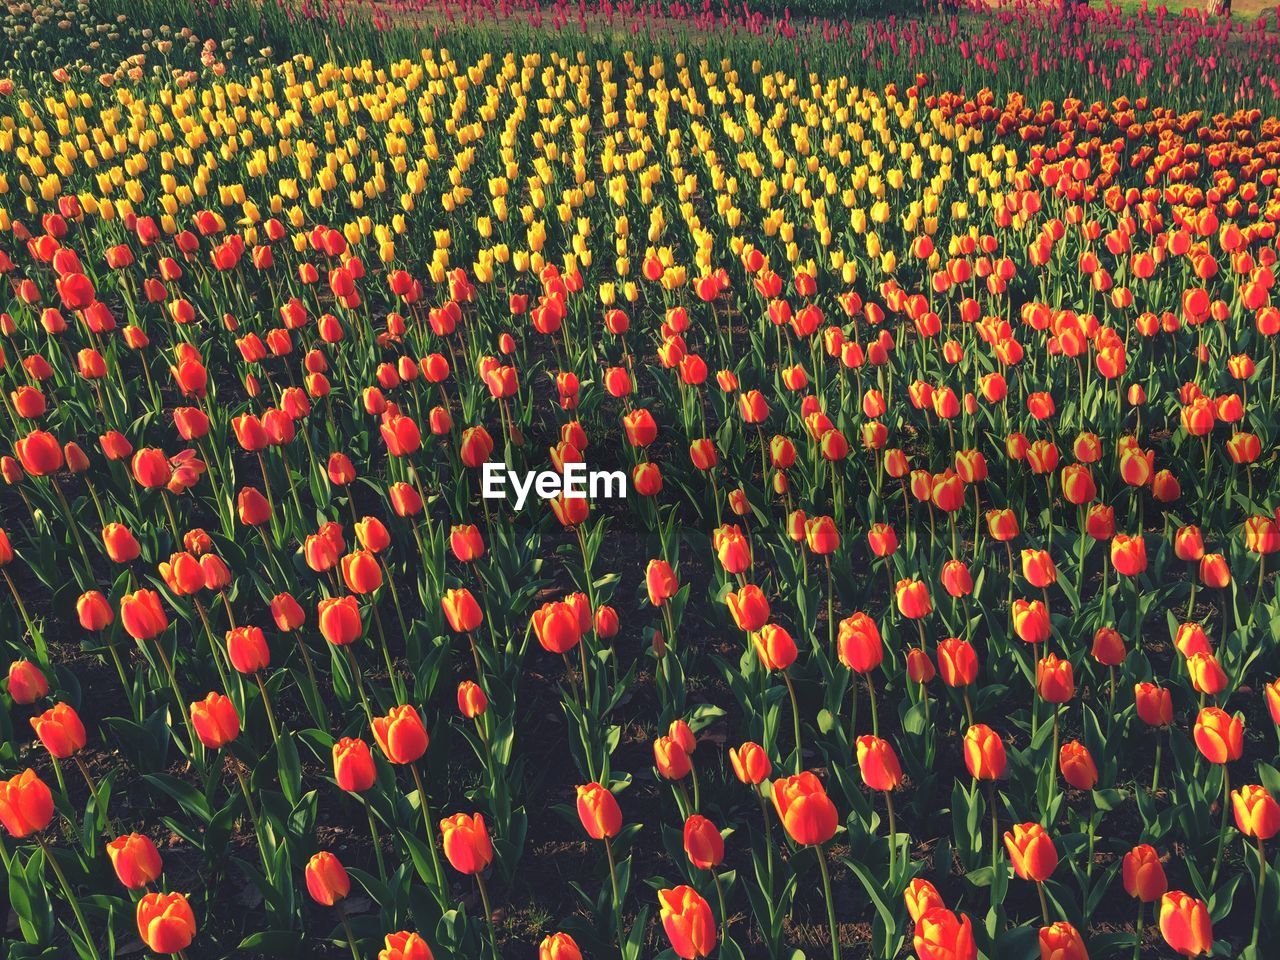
[1188, 544]
[287, 612]
[1143, 874]
[401, 734]
[142, 615]
[749, 606]
[1219, 735]
[252, 507]
[327, 879]
[671, 759]
[1077, 766]
[878, 763]
[913, 599]
[942, 935]
[466, 842]
[1031, 851]
[919, 666]
[559, 946]
[60, 730]
[882, 540]
[775, 647]
[1038, 568]
[1128, 554]
[151, 468]
[1108, 647]
[26, 804]
[353, 766]
[135, 859]
[40, 453]
[804, 808]
[1078, 486]
[957, 662]
[1100, 522]
[821, 536]
[472, 701]
[404, 945]
[405, 500]
[215, 720]
[1002, 525]
[461, 610]
[1185, 924]
[858, 643]
[984, 753]
[557, 627]
[247, 649]
[921, 896]
[599, 812]
[660, 580]
[956, 579]
[1061, 941]
[217, 576]
[1257, 813]
[1031, 621]
[1207, 675]
[466, 543]
[688, 922]
[339, 620]
[1055, 680]
[166, 922]
[372, 534]
[1214, 571]
[120, 544]
[26, 683]
[703, 844]
[1270, 693]
[680, 731]
[750, 763]
[1154, 704]
[361, 572]
[1191, 639]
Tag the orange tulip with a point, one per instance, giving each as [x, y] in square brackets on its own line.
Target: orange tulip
[1031, 851]
[327, 879]
[943, 935]
[703, 844]
[750, 763]
[404, 945]
[60, 730]
[353, 766]
[804, 808]
[1219, 735]
[984, 753]
[688, 921]
[599, 812]
[466, 842]
[878, 763]
[166, 922]
[559, 946]
[340, 621]
[1061, 941]
[401, 734]
[1185, 924]
[1256, 811]
[26, 804]
[215, 720]
[1143, 874]
[135, 859]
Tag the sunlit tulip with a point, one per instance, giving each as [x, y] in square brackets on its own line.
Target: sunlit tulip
[166, 922]
[689, 924]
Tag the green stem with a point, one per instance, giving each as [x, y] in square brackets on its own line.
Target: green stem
[831, 904]
[71, 897]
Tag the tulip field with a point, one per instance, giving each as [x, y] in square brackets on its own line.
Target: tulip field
[931, 607]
